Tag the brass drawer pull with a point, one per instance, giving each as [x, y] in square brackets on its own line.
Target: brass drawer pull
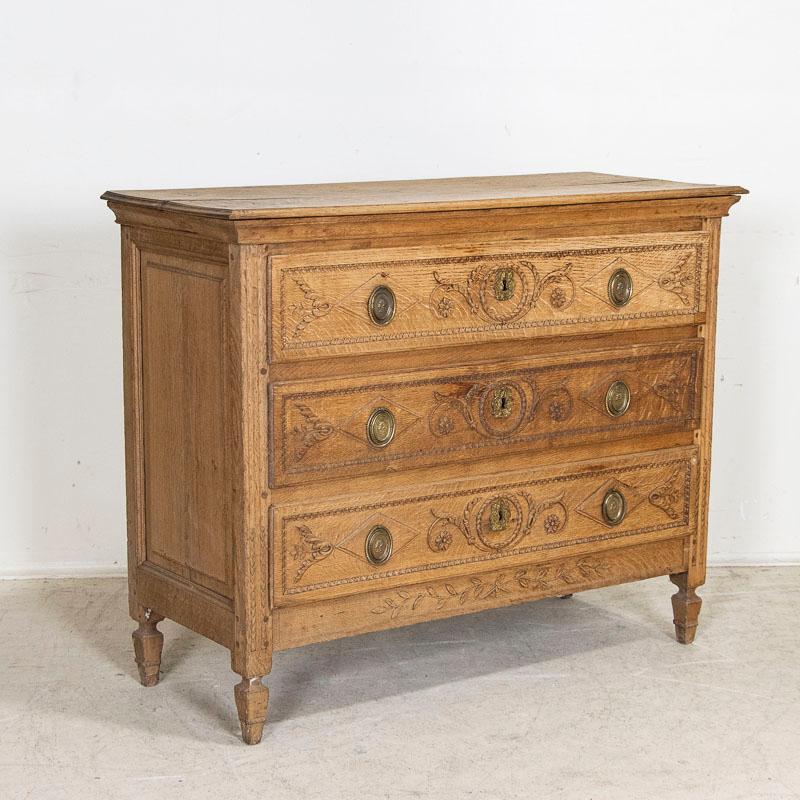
[381, 305]
[620, 287]
[618, 398]
[378, 546]
[380, 427]
[614, 507]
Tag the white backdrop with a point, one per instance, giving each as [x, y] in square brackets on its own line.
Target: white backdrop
[96, 95]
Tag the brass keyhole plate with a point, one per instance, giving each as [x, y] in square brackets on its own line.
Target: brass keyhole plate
[502, 402]
[618, 398]
[499, 515]
[614, 507]
[381, 305]
[620, 288]
[504, 284]
[378, 545]
[380, 427]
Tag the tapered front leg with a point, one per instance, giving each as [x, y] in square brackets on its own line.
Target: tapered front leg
[148, 642]
[685, 608]
[252, 698]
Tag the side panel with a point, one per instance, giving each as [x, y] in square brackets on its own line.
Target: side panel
[186, 519]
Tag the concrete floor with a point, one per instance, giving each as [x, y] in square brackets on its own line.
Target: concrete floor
[589, 698]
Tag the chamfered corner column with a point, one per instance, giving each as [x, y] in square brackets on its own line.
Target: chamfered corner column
[685, 608]
[148, 643]
[248, 380]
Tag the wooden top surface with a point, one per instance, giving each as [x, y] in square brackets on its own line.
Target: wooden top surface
[442, 194]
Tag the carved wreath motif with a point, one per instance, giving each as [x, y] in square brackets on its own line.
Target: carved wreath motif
[498, 523]
[313, 306]
[678, 279]
[670, 389]
[505, 292]
[311, 430]
[479, 406]
[669, 495]
[520, 582]
[310, 552]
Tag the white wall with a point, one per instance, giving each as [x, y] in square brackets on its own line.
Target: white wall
[162, 94]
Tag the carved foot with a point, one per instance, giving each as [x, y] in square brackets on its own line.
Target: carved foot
[251, 703]
[685, 608]
[147, 644]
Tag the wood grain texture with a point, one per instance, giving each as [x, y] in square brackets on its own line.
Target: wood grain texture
[183, 316]
[246, 451]
[447, 294]
[319, 552]
[148, 642]
[307, 234]
[382, 197]
[685, 608]
[259, 513]
[381, 610]
[134, 422]
[319, 428]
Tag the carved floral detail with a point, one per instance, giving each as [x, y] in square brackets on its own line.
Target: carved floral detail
[479, 406]
[522, 286]
[558, 298]
[311, 430]
[678, 280]
[520, 582]
[313, 306]
[669, 495]
[444, 425]
[445, 307]
[559, 407]
[312, 550]
[497, 524]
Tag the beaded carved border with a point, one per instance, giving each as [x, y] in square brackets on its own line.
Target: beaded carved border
[681, 520]
[298, 275]
[306, 398]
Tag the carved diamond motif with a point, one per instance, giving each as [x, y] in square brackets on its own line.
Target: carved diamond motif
[595, 395]
[353, 542]
[355, 303]
[592, 506]
[356, 425]
[597, 285]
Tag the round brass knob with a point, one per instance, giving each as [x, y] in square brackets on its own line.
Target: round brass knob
[378, 546]
[620, 287]
[381, 305]
[380, 427]
[614, 507]
[618, 398]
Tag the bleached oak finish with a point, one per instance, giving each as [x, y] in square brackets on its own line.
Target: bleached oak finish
[263, 512]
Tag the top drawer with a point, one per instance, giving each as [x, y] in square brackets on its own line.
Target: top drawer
[320, 302]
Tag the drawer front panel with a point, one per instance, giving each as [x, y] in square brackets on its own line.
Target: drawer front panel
[324, 430]
[514, 519]
[320, 302]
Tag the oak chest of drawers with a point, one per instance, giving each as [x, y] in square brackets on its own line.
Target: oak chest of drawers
[357, 406]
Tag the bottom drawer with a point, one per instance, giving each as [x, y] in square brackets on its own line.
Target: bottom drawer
[362, 543]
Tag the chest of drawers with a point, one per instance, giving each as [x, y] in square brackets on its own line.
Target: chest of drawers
[352, 407]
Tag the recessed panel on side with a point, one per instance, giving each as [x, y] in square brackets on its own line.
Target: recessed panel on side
[187, 524]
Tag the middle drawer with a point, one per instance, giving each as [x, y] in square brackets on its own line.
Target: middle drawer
[357, 426]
